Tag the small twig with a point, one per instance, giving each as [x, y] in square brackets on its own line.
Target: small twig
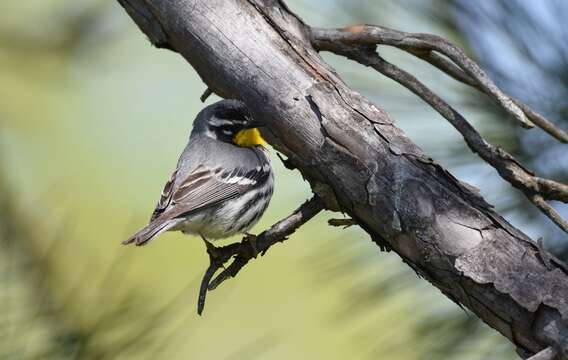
[206, 94]
[455, 72]
[549, 211]
[278, 232]
[342, 222]
[229, 272]
[218, 256]
[203, 288]
[548, 353]
[552, 190]
[244, 251]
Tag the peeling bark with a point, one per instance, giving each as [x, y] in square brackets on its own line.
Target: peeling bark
[358, 162]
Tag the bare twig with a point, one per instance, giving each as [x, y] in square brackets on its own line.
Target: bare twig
[206, 94]
[214, 265]
[552, 190]
[549, 211]
[505, 164]
[249, 247]
[454, 71]
[342, 222]
[427, 47]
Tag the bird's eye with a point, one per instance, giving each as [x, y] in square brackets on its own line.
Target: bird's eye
[226, 129]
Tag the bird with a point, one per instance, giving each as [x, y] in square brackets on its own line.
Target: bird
[223, 181]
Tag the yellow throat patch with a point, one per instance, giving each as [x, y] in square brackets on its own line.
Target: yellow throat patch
[249, 138]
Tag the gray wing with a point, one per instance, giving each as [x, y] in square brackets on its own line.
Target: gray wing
[165, 197]
[205, 187]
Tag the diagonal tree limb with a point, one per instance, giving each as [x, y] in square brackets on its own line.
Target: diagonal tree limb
[246, 250]
[505, 164]
[428, 47]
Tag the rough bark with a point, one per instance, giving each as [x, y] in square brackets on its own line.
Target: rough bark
[358, 162]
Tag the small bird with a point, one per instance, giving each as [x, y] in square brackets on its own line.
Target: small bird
[223, 181]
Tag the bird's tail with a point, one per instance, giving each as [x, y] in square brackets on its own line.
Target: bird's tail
[150, 231]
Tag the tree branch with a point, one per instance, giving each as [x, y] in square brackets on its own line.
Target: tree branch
[505, 164]
[250, 246]
[452, 70]
[426, 46]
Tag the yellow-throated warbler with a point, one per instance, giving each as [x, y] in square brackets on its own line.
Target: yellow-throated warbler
[223, 181]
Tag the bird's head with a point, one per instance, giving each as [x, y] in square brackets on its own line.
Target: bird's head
[229, 121]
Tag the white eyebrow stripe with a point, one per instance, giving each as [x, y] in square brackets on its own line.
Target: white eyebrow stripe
[220, 122]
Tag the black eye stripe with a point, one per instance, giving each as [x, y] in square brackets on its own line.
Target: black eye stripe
[226, 128]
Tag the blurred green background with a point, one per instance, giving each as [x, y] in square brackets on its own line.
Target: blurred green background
[92, 120]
